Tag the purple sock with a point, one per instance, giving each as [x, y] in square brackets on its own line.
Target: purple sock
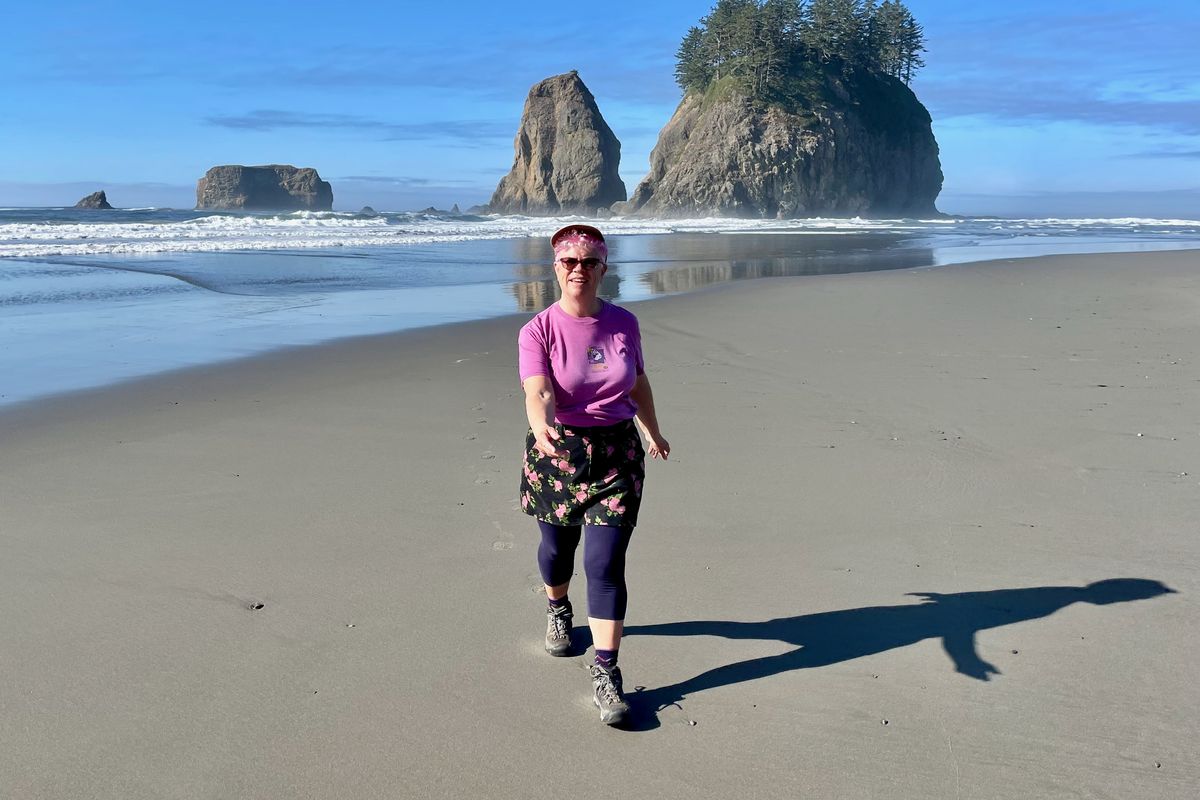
[560, 602]
[606, 658]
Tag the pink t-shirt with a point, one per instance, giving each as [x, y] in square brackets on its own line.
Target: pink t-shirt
[592, 362]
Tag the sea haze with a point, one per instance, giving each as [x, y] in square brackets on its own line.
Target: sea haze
[90, 298]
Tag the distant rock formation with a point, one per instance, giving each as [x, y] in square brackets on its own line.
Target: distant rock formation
[868, 150]
[273, 187]
[566, 155]
[95, 200]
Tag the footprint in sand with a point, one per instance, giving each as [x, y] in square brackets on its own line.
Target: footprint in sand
[488, 455]
[502, 545]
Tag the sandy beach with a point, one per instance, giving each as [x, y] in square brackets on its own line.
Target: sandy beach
[863, 573]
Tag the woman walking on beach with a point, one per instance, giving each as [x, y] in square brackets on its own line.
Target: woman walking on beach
[585, 385]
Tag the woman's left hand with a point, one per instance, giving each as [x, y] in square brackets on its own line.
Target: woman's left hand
[657, 446]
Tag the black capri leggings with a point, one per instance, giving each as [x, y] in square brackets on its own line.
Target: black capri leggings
[603, 563]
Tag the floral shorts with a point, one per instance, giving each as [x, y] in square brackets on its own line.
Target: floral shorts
[599, 482]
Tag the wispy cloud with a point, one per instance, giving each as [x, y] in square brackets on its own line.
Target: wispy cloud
[1165, 154]
[1047, 67]
[402, 181]
[462, 131]
[1037, 100]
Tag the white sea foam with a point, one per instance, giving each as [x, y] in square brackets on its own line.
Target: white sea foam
[306, 230]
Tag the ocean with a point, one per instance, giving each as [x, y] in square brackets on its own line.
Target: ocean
[88, 298]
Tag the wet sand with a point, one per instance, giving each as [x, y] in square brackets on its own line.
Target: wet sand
[924, 533]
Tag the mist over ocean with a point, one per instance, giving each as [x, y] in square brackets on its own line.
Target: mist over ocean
[88, 298]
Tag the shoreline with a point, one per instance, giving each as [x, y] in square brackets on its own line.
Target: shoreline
[874, 566]
[24, 405]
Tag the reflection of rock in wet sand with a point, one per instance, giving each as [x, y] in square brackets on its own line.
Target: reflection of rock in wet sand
[696, 275]
[532, 257]
[533, 296]
[681, 279]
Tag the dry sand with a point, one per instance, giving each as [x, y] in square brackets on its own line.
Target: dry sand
[1001, 434]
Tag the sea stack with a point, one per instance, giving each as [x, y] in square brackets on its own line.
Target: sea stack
[866, 149]
[272, 187]
[95, 200]
[566, 155]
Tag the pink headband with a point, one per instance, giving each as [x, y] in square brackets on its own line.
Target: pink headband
[580, 238]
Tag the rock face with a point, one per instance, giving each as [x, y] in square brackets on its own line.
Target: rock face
[95, 200]
[868, 151]
[273, 187]
[566, 155]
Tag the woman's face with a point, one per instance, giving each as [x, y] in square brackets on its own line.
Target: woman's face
[579, 283]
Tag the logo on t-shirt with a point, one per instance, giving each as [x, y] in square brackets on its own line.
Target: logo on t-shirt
[595, 357]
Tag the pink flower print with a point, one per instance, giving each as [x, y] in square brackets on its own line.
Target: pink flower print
[611, 476]
[632, 454]
[561, 511]
[589, 451]
[568, 432]
[581, 496]
[583, 486]
[637, 487]
[585, 440]
[524, 501]
[558, 486]
[620, 509]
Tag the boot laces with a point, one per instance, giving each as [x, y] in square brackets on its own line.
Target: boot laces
[560, 622]
[608, 683]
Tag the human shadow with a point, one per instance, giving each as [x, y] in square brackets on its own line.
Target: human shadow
[834, 636]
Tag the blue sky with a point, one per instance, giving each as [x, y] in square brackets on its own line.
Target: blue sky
[1039, 108]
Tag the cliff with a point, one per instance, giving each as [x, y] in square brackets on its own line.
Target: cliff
[274, 187]
[97, 200]
[566, 155]
[863, 146]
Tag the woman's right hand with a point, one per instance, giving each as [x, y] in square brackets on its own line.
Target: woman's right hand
[544, 437]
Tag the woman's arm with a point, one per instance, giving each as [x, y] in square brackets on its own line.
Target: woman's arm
[643, 398]
[539, 407]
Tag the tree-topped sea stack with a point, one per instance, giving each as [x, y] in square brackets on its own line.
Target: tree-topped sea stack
[796, 110]
[273, 187]
[566, 155]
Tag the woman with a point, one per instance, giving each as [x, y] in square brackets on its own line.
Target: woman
[582, 371]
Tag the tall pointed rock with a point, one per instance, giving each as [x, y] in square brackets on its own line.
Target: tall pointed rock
[566, 155]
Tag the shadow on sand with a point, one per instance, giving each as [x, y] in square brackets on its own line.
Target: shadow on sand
[835, 636]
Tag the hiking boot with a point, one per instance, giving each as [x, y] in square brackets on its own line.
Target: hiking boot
[558, 630]
[608, 695]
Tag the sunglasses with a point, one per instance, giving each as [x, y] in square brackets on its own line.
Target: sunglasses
[587, 263]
